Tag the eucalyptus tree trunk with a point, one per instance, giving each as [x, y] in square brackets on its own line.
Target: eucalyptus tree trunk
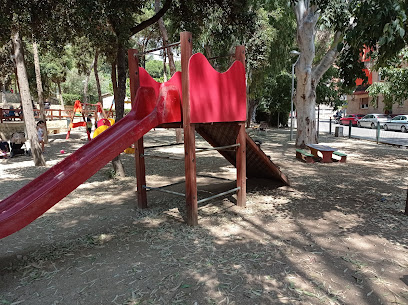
[40, 88]
[98, 84]
[28, 110]
[308, 76]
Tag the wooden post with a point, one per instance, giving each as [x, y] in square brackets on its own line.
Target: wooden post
[186, 42]
[139, 147]
[140, 174]
[241, 165]
[241, 150]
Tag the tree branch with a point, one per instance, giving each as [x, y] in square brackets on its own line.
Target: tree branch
[329, 58]
[141, 26]
[299, 9]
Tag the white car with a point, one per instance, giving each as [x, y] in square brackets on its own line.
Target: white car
[371, 120]
[400, 122]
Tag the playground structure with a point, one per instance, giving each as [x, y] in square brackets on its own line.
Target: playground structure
[199, 99]
[99, 113]
[214, 106]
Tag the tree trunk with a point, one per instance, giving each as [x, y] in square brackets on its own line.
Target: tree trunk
[3, 93]
[169, 52]
[164, 67]
[121, 88]
[40, 89]
[305, 96]
[60, 94]
[119, 95]
[252, 105]
[308, 76]
[26, 99]
[98, 84]
[86, 82]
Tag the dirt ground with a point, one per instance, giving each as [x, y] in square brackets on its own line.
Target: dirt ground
[338, 235]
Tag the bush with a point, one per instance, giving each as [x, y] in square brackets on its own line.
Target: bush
[69, 99]
[272, 118]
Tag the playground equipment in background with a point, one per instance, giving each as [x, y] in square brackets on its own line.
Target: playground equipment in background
[77, 110]
[198, 99]
[102, 125]
[80, 110]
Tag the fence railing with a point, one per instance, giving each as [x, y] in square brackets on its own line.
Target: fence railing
[7, 115]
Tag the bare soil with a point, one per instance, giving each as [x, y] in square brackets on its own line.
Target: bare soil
[338, 235]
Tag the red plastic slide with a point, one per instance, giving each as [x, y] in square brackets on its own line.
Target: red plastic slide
[34, 199]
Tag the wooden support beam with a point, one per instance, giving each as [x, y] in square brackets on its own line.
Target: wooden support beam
[186, 41]
[140, 174]
[241, 140]
[139, 148]
[241, 165]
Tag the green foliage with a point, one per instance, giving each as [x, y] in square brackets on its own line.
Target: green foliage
[276, 99]
[329, 90]
[395, 87]
[155, 69]
[75, 85]
[380, 25]
[69, 99]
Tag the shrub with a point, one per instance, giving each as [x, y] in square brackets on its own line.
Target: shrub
[69, 99]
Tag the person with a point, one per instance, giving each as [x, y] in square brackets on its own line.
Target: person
[89, 123]
[40, 133]
[47, 104]
[4, 148]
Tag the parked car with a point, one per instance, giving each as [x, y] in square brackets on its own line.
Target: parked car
[371, 120]
[400, 122]
[351, 117]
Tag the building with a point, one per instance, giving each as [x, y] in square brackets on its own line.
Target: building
[107, 102]
[360, 102]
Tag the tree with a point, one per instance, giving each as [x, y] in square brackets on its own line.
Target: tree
[394, 89]
[39, 88]
[375, 24]
[26, 98]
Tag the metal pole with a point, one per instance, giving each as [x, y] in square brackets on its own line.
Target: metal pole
[330, 122]
[378, 132]
[219, 195]
[291, 99]
[318, 120]
[291, 102]
[350, 124]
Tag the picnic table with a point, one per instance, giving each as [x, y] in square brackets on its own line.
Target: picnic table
[326, 151]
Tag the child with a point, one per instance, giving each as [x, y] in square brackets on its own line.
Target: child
[89, 123]
[40, 133]
[4, 148]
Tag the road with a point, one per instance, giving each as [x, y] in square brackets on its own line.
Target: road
[388, 137]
